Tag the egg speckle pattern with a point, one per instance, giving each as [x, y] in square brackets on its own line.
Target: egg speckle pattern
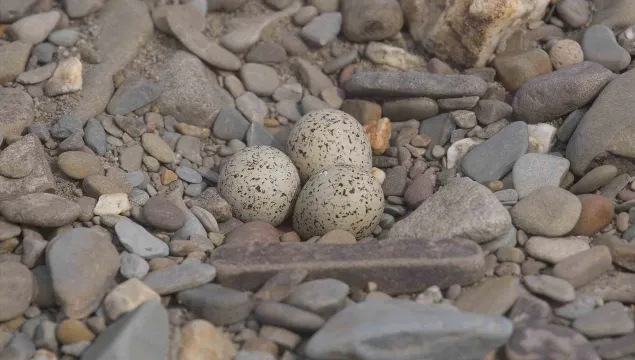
[260, 183]
[340, 197]
[328, 137]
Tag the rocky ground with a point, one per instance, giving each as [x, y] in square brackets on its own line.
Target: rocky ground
[320, 179]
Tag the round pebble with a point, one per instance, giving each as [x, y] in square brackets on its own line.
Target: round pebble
[548, 211]
[163, 214]
[79, 165]
[566, 52]
[260, 79]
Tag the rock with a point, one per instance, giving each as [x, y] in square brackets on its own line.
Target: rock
[515, 69]
[95, 137]
[16, 285]
[608, 320]
[593, 137]
[82, 263]
[72, 331]
[157, 148]
[163, 214]
[39, 179]
[16, 110]
[19, 347]
[356, 332]
[529, 310]
[594, 179]
[324, 297]
[202, 340]
[37, 75]
[438, 128]
[368, 21]
[413, 84]
[15, 162]
[217, 304]
[384, 54]
[253, 232]
[188, 175]
[495, 157]
[14, 57]
[64, 37]
[395, 183]
[312, 77]
[65, 127]
[554, 250]
[548, 341]
[81, 8]
[122, 339]
[133, 126]
[548, 211]
[181, 277]
[41, 210]
[127, 297]
[132, 95]
[420, 189]
[600, 46]
[294, 45]
[259, 135]
[364, 111]
[597, 212]
[66, 79]
[14, 9]
[467, 35]
[138, 241]
[533, 171]
[179, 22]
[133, 266]
[254, 109]
[403, 110]
[492, 110]
[322, 29]
[211, 201]
[260, 79]
[585, 266]
[415, 263]
[550, 287]
[266, 52]
[287, 316]
[34, 29]
[74, 142]
[583, 304]
[130, 158]
[485, 224]
[191, 93]
[78, 164]
[575, 13]
[566, 52]
[98, 185]
[492, 297]
[190, 148]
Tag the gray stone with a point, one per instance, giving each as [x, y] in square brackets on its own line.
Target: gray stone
[74, 142]
[139, 197]
[616, 185]
[577, 85]
[322, 29]
[46, 295]
[192, 225]
[489, 111]
[64, 37]
[585, 266]
[435, 332]
[554, 250]
[39, 179]
[211, 201]
[83, 263]
[575, 13]
[37, 75]
[178, 278]
[599, 45]
[617, 348]
[548, 341]
[16, 290]
[395, 182]
[305, 14]
[325, 297]
[44, 53]
[340, 62]
[312, 103]
[594, 179]
[40, 210]
[133, 126]
[267, 52]
[218, 304]
[312, 77]
[132, 95]
[130, 158]
[81, 8]
[34, 29]
[582, 305]
[44, 336]
[133, 266]
[158, 148]
[289, 109]
[508, 239]
[492, 297]
[291, 92]
[254, 109]
[188, 175]
[230, 124]
[97, 185]
[259, 135]
[14, 57]
[287, 316]
[65, 127]
[548, 211]
[438, 128]
[403, 110]
[19, 348]
[190, 91]
[478, 216]
[143, 331]
[260, 79]
[414, 84]
[294, 45]
[95, 137]
[139, 241]
[608, 320]
[190, 148]
[371, 20]
[570, 124]
[16, 161]
[550, 287]
[420, 189]
[534, 170]
[11, 10]
[40, 130]
[33, 247]
[461, 103]
[529, 310]
[163, 214]
[495, 157]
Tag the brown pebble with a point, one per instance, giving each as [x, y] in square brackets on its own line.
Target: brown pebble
[271, 123]
[259, 344]
[168, 177]
[14, 323]
[71, 331]
[597, 212]
[622, 221]
[291, 236]
[161, 263]
[495, 185]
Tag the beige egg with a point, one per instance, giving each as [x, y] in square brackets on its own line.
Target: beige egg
[340, 197]
[260, 183]
[328, 137]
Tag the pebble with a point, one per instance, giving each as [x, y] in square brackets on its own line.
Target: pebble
[16, 161]
[40, 210]
[550, 287]
[597, 212]
[292, 92]
[403, 110]
[66, 79]
[95, 137]
[360, 19]
[420, 189]
[44, 335]
[566, 52]
[133, 126]
[202, 340]
[585, 266]
[72, 331]
[181, 277]
[139, 241]
[582, 305]
[190, 148]
[260, 79]
[127, 297]
[133, 266]
[294, 45]
[16, 285]
[312, 77]
[252, 107]
[188, 174]
[112, 204]
[37, 75]
[130, 157]
[34, 29]
[133, 94]
[594, 179]
[547, 211]
[480, 299]
[491, 110]
[549, 342]
[287, 316]
[575, 13]
[324, 297]
[383, 54]
[217, 304]
[78, 164]
[322, 29]
[64, 37]
[608, 320]
[305, 15]
[65, 127]
[554, 250]
[600, 46]
[516, 68]
[533, 171]
[265, 52]
[96, 185]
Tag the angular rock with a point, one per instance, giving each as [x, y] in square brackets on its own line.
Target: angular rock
[548, 341]
[548, 211]
[127, 297]
[230, 124]
[479, 216]
[177, 278]
[138, 240]
[217, 304]
[132, 95]
[492, 297]
[533, 171]
[585, 266]
[16, 110]
[325, 297]
[40, 210]
[66, 79]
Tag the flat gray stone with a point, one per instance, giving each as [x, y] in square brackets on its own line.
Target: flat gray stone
[324, 297]
[548, 211]
[178, 278]
[130, 158]
[217, 304]
[133, 266]
[312, 77]
[406, 109]
[395, 181]
[570, 124]
[548, 341]
[477, 216]
[16, 110]
[254, 109]
[259, 78]
[140, 334]
[322, 29]
[230, 124]
[599, 45]
[550, 287]
[435, 332]
[259, 135]
[40, 210]
[492, 297]
[36, 75]
[491, 110]
[64, 37]
[19, 348]
[554, 250]
[190, 148]
[534, 170]
[594, 179]
[138, 240]
[132, 95]
[287, 317]
[582, 305]
[16, 290]
[35, 28]
[289, 109]
[95, 137]
[188, 175]
[585, 266]
[495, 157]
[608, 320]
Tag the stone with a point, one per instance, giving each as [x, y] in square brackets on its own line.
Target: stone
[467, 35]
[570, 124]
[420, 189]
[597, 212]
[529, 310]
[95, 137]
[133, 266]
[548, 341]
[253, 232]
[157, 148]
[325, 297]
[133, 126]
[479, 216]
[44, 335]
[206, 218]
[82, 263]
[515, 69]
[64, 37]
[190, 148]
[495, 157]
[364, 111]
[72, 331]
[188, 175]
[97, 185]
[130, 157]
[550, 287]
[312, 77]
[78, 164]
[202, 340]
[15, 162]
[617, 348]
[16, 285]
[374, 20]
[19, 347]
[217, 304]
[66, 79]
[548, 211]
[337, 236]
[413, 84]
[139, 241]
[242, 267]
[16, 110]
[287, 316]
[259, 135]
[358, 330]
[583, 304]
[191, 93]
[395, 183]
[40, 210]
[181, 277]
[289, 109]
[74, 142]
[132, 95]
[491, 110]
[34, 29]
[81, 8]
[322, 29]
[533, 171]
[566, 52]
[554, 250]
[294, 45]
[260, 79]
[383, 54]
[608, 320]
[142, 331]
[14, 57]
[65, 127]
[594, 179]
[599, 45]
[492, 297]
[163, 214]
[127, 297]
[37, 75]
[15, 9]
[575, 13]
[266, 52]
[438, 128]
[403, 110]
[254, 109]
[585, 266]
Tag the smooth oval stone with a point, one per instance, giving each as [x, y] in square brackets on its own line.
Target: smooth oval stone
[16, 289]
[599, 45]
[260, 79]
[218, 304]
[554, 250]
[583, 304]
[189, 175]
[594, 179]
[40, 210]
[608, 320]
[551, 287]
[548, 211]
[158, 148]
[533, 171]
[324, 297]
[163, 214]
[79, 164]
[287, 316]
[139, 241]
[181, 277]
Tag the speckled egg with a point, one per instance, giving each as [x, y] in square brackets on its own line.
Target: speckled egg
[260, 183]
[328, 137]
[340, 197]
